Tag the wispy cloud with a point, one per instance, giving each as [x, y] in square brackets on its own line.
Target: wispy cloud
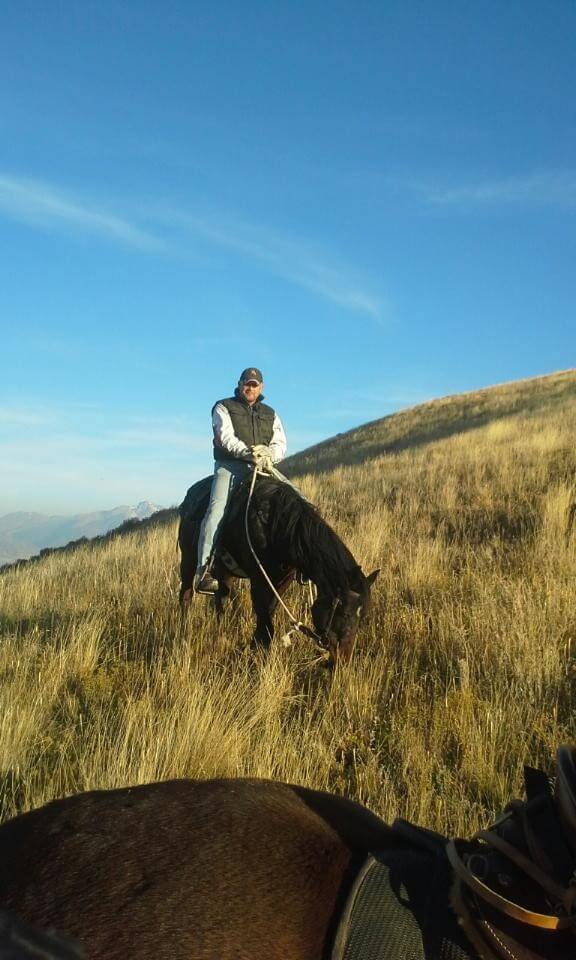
[30, 432]
[77, 484]
[553, 189]
[294, 259]
[11, 416]
[177, 234]
[161, 438]
[84, 460]
[32, 201]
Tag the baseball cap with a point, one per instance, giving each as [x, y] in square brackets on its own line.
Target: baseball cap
[251, 373]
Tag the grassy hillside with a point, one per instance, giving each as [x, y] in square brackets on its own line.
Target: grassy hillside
[465, 670]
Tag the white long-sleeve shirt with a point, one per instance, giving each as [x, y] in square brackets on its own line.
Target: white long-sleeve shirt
[225, 437]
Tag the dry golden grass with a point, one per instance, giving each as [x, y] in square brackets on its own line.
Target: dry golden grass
[465, 670]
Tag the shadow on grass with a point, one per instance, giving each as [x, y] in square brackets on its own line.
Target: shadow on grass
[44, 626]
[438, 420]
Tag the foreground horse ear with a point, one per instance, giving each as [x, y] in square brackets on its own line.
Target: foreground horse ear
[371, 577]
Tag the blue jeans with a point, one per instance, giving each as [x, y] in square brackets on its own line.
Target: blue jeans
[227, 473]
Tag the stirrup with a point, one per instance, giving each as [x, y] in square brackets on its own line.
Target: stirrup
[204, 582]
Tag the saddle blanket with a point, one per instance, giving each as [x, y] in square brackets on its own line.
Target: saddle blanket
[398, 909]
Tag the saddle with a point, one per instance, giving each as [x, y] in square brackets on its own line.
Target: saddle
[515, 883]
[192, 510]
[507, 894]
[194, 504]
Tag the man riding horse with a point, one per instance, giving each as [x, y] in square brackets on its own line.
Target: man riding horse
[246, 432]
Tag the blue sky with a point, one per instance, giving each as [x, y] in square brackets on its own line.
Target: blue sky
[372, 201]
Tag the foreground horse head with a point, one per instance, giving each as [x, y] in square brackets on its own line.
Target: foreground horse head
[257, 870]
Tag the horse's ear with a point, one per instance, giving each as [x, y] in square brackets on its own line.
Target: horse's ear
[371, 577]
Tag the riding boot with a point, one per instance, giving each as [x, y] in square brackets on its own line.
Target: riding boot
[204, 582]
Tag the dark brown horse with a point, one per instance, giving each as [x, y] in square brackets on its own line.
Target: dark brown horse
[289, 537]
[257, 870]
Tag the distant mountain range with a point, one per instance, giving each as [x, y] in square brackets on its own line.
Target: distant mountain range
[24, 534]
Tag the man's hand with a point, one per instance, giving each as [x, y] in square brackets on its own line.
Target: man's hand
[261, 450]
[262, 456]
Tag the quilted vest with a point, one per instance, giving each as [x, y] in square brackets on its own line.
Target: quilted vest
[252, 424]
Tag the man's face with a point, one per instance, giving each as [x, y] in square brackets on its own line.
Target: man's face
[251, 390]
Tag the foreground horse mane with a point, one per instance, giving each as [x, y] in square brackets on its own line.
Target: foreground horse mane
[306, 538]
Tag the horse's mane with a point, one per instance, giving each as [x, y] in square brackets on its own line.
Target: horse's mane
[296, 527]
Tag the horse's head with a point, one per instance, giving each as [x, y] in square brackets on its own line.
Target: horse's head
[337, 617]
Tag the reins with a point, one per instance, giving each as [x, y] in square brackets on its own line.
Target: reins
[297, 625]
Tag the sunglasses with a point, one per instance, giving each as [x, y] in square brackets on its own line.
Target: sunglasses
[250, 383]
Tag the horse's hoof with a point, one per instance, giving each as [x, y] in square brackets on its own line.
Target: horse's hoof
[257, 643]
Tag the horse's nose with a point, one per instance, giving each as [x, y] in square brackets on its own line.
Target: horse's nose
[342, 649]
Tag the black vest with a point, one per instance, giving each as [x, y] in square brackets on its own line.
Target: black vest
[252, 424]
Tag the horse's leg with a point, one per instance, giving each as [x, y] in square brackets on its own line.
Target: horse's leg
[264, 603]
[224, 592]
[188, 543]
[263, 609]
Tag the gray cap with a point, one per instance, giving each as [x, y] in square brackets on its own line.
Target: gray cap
[251, 373]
